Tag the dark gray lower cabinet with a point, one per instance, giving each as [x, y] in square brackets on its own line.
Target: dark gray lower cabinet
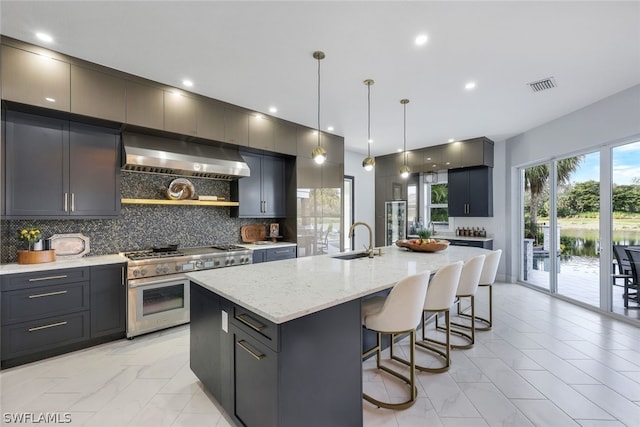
[305, 372]
[52, 312]
[108, 300]
[274, 254]
[485, 244]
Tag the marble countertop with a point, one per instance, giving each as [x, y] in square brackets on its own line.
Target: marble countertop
[61, 263]
[285, 290]
[266, 245]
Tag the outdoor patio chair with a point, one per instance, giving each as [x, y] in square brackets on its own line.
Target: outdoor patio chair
[633, 255]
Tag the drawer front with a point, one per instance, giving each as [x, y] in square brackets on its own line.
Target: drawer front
[276, 254]
[256, 326]
[28, 337]
[44, 278]
[471, 243]
[45, 301]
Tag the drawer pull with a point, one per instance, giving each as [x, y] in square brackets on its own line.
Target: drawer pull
[284, 251]
[48, 294]
[253, 324]
[258, 356]
[38, 279]
[53, 325]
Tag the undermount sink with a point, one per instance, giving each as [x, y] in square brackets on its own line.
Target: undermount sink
[352, 255]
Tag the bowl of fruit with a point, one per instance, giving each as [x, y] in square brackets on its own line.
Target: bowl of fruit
[424, 243]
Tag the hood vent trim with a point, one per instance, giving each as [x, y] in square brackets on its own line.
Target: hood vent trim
[159, 155]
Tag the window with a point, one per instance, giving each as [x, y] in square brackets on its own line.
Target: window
[436, 204]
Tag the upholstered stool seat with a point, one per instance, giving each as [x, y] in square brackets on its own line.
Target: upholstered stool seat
[467, 287]
[398, 313]
[487, 278]
[440, 296]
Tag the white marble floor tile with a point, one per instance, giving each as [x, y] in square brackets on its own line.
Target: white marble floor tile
[446, 396]
[544, 413]
[565, 397]
[512, 385]
[600, 423]
[562, 369]
[607, 376]
[624, 410]
[494, 407]
[611, 359]
[510, 355]
[464, 422]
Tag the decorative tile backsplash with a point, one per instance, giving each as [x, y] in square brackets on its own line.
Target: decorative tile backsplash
[143, 226]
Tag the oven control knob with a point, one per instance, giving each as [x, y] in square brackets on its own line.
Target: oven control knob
[136, 273]
[162, 269]
[198, 264]
[232, 261]
[143, 272]
[216, 263]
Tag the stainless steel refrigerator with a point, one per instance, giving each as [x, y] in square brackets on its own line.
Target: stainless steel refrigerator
[395, 221]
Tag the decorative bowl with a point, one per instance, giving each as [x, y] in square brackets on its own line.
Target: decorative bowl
[432, 246]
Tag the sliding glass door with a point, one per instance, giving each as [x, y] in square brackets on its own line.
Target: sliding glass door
[536, 266]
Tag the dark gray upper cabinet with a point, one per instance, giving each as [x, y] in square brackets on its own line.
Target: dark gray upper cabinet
[145, 105]
[467, 153]
[54, 171]
[210, 119]
[285, 138]
[263, 193]
[34, 79]
[471, 192]
[236, 126]
[97, 94]
[179, 113]
[261, 132]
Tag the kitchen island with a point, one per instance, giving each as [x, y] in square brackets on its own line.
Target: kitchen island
[279, 344]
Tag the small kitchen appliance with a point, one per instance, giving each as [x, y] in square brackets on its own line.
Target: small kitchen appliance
[158, 288]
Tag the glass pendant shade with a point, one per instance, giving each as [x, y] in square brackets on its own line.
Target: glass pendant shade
[405, 171]
[319, 155]
[368, 163]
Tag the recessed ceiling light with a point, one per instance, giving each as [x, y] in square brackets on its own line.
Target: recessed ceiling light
[44, 37]
[330, 128]
[187, 83]
[451, 139]
[50, 99]
[421, 39]
[470, 85]
[273, 110]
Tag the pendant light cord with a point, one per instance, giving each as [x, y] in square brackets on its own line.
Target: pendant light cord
[319, 102]
[369, 120]
[405, 133]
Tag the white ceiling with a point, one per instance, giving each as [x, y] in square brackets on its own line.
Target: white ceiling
[259, 54]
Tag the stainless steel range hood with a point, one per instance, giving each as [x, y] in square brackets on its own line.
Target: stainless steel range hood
[154, 154]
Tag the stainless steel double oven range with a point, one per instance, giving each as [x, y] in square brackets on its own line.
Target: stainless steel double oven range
[158, 289]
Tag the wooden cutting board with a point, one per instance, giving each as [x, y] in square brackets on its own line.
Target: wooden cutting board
[253, 233]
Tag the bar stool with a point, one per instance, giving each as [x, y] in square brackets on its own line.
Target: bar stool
[487, 278]
[467, 287]
[398, 313]
[440, 296]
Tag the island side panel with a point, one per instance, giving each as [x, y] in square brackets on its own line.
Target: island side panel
[321, 368]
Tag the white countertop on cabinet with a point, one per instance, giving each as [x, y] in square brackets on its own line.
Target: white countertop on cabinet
[61, 263]
[266, 245]
[286, 290]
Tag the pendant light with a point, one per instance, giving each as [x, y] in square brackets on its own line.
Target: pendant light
[405, 169]
[319, 154]
[368, 163]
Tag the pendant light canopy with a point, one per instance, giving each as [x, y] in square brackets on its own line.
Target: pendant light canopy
[368, 163]
[405, 169]
[319, 154]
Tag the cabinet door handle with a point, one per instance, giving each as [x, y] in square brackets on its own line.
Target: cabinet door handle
[48, 294]
[258, 356]
[122, 276]
[52, 325]
[66, 202]
[38, 279]
[73, 202]
[253, 324]
[265, 207]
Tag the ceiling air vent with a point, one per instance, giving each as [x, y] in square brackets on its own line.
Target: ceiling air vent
[544, 84]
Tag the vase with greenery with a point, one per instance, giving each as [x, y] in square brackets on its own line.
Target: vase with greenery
[424, 234]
